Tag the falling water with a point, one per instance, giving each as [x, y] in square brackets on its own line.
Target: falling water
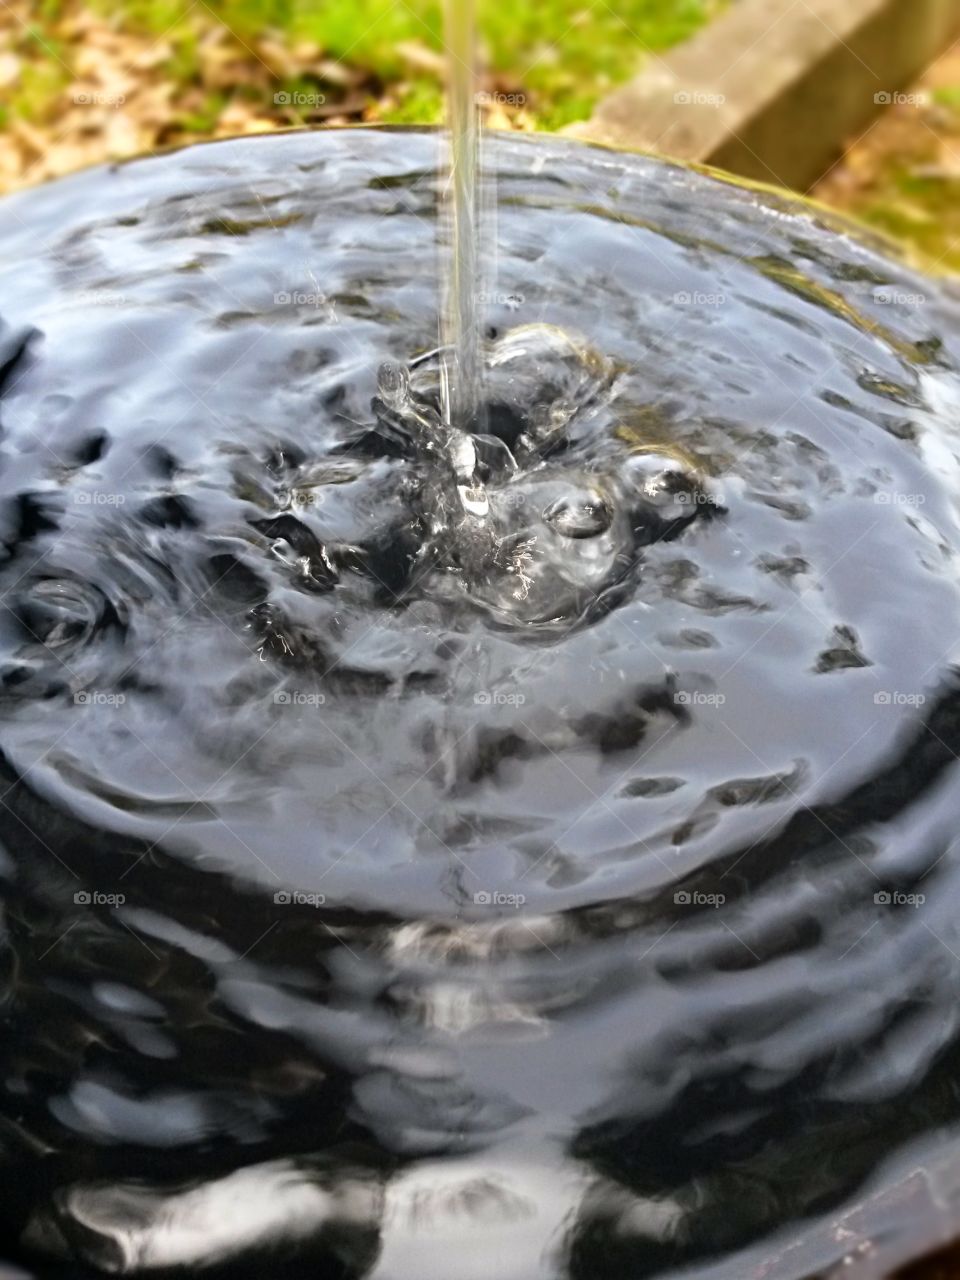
[462, 362]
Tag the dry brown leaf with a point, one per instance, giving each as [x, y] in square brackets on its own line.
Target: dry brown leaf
[154, 55]
[120, 99]
[11, 161]
[240, 117]
[224, 63]
[76, 24]
[152, 106]
[66, 157]
[9, 69]
[279, 57]
[416, 55]
[306, 52]
[338, 73]
[32, 140]
[123, 137]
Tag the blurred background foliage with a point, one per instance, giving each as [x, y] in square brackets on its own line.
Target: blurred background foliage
[370, 59]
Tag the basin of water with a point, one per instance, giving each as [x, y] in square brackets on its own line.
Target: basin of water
[527, 851]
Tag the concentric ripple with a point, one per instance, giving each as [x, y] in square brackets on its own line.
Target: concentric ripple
[531, 846]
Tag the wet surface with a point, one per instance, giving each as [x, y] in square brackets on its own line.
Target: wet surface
[535, 847]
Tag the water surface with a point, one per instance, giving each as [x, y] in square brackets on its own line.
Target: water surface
[531, 855]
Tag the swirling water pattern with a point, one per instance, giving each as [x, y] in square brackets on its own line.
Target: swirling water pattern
[556, 883]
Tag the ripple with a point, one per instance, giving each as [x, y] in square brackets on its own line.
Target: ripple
[542, 834]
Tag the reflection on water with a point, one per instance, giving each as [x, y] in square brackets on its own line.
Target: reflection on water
[528, 854]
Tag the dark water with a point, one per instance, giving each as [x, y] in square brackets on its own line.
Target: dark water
[521, 857]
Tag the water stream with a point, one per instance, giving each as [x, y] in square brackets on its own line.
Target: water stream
[461, 310]
[526, 852]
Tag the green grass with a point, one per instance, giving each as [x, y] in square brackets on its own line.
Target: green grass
[914, 191]
[924, 212]
[562, 53]
[41, 83]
